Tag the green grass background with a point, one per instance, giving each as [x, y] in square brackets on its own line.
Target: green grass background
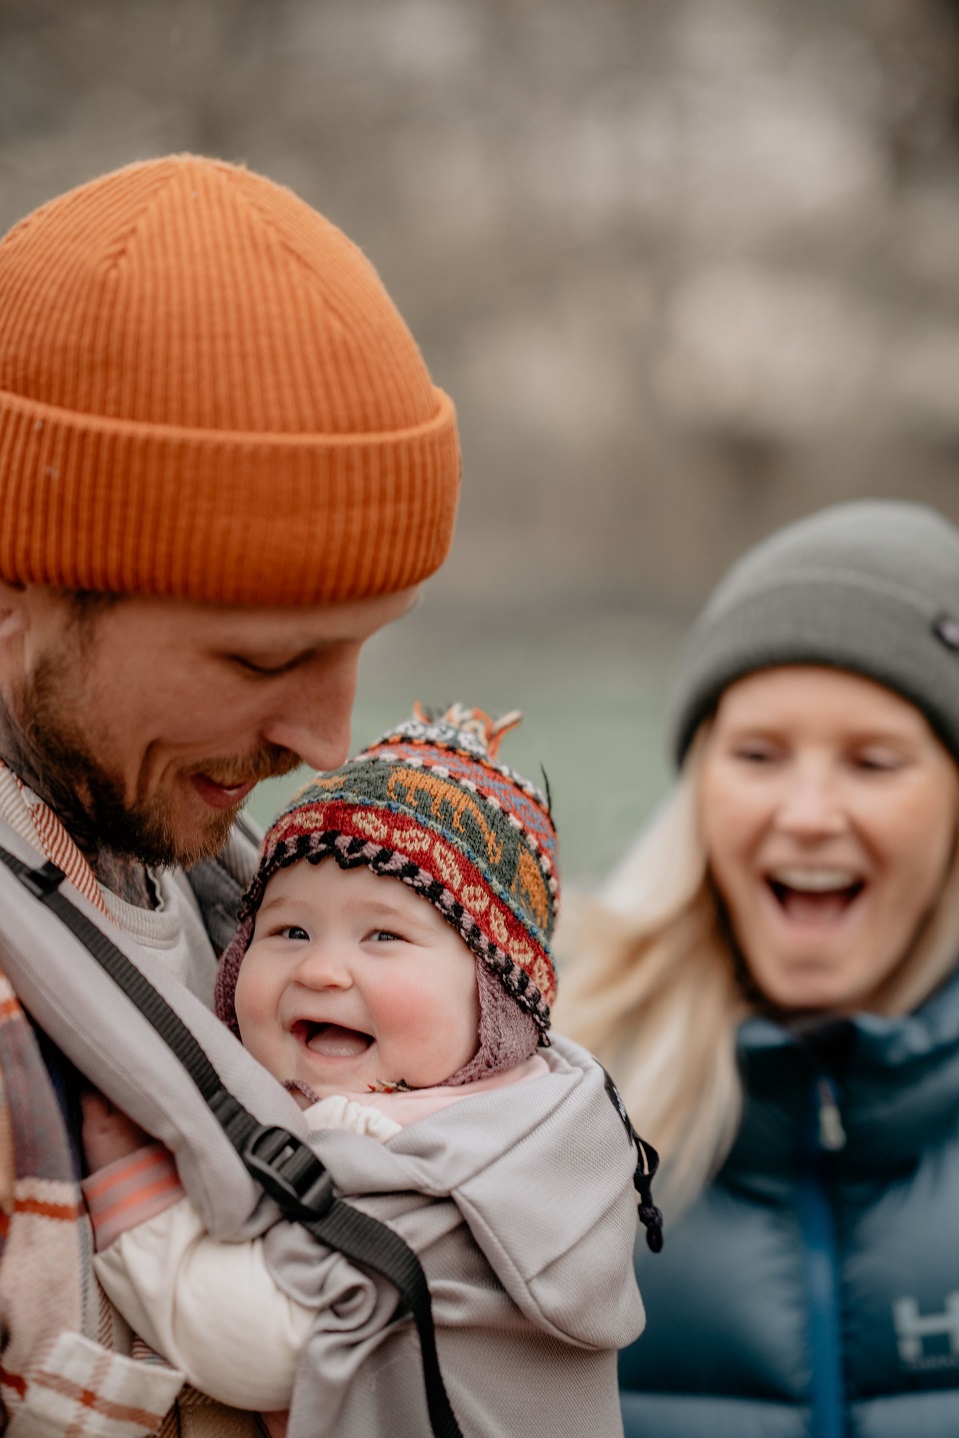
[592, 685]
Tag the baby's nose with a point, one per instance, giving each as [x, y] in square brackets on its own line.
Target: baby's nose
[324, 965]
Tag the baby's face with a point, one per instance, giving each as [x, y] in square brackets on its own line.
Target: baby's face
[353, 980]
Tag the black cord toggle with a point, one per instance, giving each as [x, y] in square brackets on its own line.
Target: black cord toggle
[649, 1215]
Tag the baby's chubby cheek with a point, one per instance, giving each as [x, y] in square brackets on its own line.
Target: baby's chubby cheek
[408, 1016]
[424, 1034]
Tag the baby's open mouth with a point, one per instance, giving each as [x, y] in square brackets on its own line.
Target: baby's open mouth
[332, 1041]
[816, 895]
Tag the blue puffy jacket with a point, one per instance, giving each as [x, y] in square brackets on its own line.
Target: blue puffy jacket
[814, 1287]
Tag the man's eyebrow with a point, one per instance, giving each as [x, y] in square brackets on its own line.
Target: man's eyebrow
[413, 605]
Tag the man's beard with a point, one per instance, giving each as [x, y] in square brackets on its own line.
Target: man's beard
[42, 743]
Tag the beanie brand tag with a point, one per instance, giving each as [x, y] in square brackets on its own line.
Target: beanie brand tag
[946, 629]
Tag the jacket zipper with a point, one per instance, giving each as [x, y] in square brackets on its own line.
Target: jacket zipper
[821, 1263]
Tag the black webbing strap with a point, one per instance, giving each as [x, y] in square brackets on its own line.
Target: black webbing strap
[648, 1162]
[287, 1169]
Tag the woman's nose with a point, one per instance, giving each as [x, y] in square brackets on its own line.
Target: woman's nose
[810, 805]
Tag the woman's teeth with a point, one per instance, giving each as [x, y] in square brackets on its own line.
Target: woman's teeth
[815, 881]
[814, 895]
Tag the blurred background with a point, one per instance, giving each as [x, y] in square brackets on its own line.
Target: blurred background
[689, 268]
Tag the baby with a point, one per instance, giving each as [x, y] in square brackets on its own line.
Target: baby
[392, 969]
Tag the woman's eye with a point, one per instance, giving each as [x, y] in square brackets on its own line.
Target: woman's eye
[877, 761]
[754, 753]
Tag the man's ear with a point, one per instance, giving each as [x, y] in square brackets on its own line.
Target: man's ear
[14, 610]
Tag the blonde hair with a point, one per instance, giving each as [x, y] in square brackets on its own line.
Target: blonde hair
[651, 984]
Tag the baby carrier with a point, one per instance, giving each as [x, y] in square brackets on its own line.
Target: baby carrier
[286, 1168]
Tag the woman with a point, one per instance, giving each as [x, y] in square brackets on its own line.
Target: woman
[772, 980]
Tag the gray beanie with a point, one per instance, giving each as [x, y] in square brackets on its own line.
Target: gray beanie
[871, 587]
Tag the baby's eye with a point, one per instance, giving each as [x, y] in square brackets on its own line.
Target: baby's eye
[385, 936]
[294, 932]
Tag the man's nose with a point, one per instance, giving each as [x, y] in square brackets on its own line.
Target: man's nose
[311, 715]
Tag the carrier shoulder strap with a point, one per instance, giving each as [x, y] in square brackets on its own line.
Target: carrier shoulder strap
[287, 1169]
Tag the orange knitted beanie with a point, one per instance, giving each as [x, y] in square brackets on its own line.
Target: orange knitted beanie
[206, 392]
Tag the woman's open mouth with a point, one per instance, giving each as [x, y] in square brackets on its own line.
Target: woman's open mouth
[331, 1041]
[815, 896]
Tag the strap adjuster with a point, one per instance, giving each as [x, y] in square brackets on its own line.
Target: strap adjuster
[290, 1172]
[42, 882]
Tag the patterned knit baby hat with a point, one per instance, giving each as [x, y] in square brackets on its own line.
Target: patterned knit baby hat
[429, 804]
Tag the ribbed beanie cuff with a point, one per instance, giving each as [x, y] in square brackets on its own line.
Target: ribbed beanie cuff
[206, 392]
[871, 588]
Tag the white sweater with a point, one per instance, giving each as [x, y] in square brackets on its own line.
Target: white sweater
[213, 1309]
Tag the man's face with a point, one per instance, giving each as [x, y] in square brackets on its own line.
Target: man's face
[145, 723]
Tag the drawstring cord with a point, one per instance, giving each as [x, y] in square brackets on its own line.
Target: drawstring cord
[649, 1215]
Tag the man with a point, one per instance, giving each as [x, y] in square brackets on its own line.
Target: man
[223, 466]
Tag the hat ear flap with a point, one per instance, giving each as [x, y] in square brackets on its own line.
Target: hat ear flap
[507, 1033]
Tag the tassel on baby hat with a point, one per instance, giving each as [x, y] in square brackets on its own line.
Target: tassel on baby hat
[430, 804]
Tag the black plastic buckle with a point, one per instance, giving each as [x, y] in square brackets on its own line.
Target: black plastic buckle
[290, 1172]
[42, 882]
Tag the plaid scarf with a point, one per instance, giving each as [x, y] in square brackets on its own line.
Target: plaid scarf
[61, 1367]
[69, 1364]
[36, 822]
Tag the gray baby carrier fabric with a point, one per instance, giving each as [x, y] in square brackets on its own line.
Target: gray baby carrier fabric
[520, 1204]
[546, 1255]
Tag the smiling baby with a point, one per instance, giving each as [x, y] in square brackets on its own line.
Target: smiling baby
[392, 969]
